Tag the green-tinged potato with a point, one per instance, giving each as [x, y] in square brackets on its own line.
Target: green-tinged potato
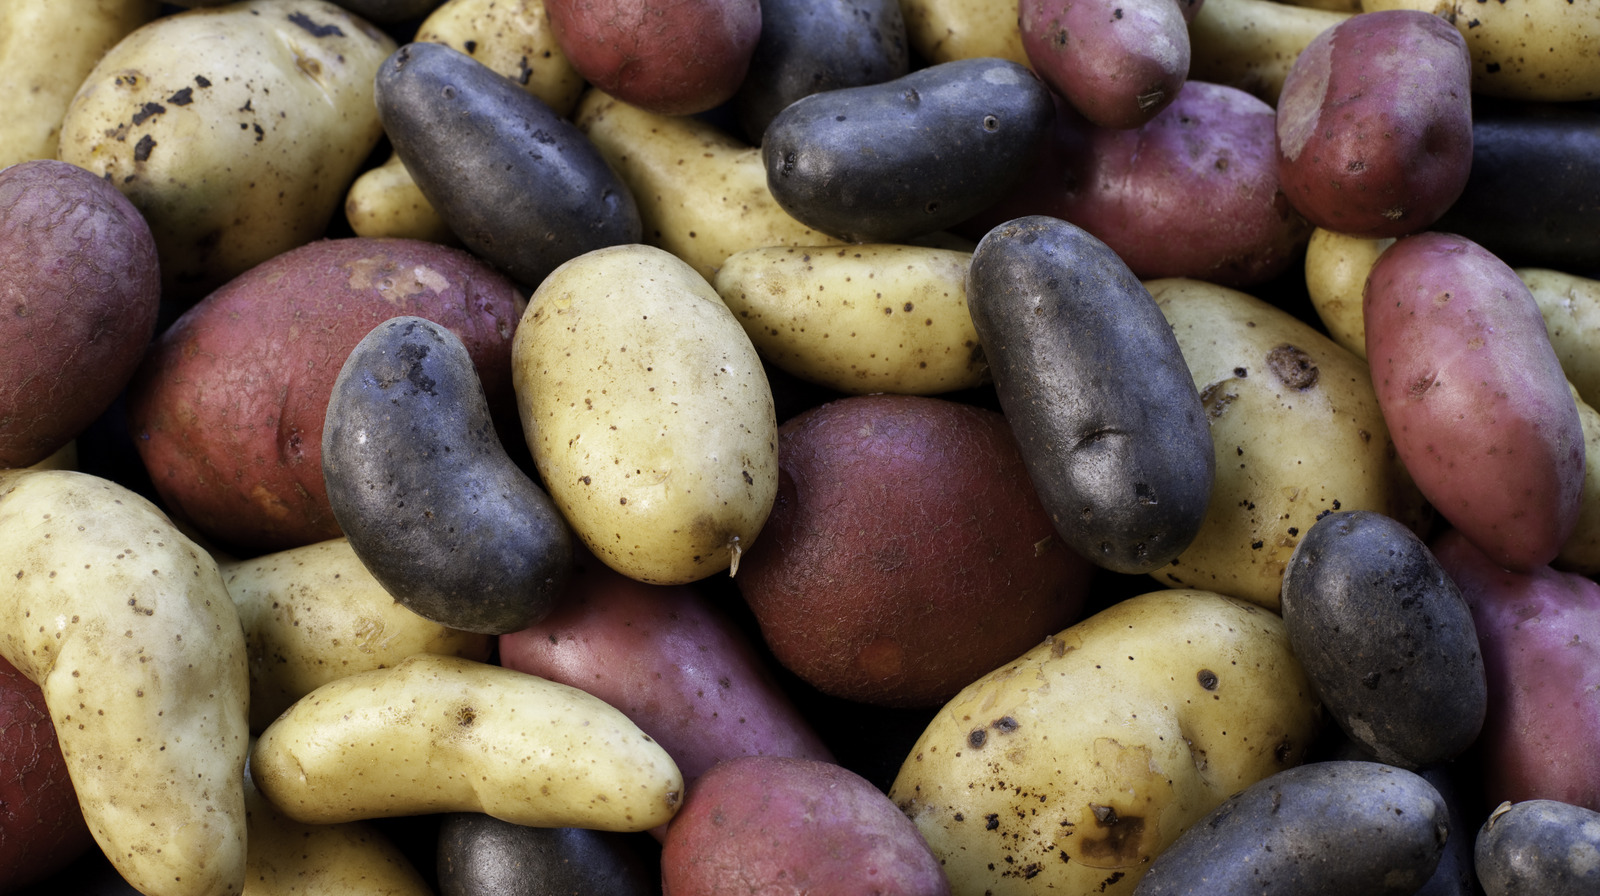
[1073, 767]
[859, 319]
[1117, 62]
[1543, 847]
[314, 614]
[903, 158]
[241, 146]
[1323, 829]
[768, 824]
[443, 734]
[1252, 44]
[1474, 396]
[1375, 124]
[80, 289]
[1297, 433]
[1096, 390]
[647, 412]
[47, 48]
[426, 493]
[483, 856]
[127, 627]
[1386, 639]
[1581, 551]
[1337, 265]
[947, 30]
[702, 193]
[41, 824]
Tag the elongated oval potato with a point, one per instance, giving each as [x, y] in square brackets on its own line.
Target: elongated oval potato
[647, 412]
[127, 627]
[1074, 766]
[867, 318]
[445, 734]
[1252, 44]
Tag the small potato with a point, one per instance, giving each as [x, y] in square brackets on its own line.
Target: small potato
[1117, 62]
[1539, 846]
[1252, 44]
[859, 319]
[1337, 265]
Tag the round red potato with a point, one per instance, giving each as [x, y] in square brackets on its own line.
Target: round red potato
[41, 827]
[907, 552]
[227, 410]
[778, 826]
[1118, 62]
[670, 58]
[80, 286]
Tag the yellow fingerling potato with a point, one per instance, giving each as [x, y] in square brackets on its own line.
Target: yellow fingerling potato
[947, 30]
[648, 414]
[1337, 265]
[1251, 44]
[1581, 551]
[127, 627]
[444, 734]
[859, 319]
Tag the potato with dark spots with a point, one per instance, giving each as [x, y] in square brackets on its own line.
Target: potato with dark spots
[1539, 848]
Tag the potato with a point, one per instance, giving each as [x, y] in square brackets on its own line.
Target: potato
[1252, 44]
[1117, 62]
[1539, 846]
[240, 147]
[127, 627]
[1096, 390]
[80, 283]
[1323, 829]
[483, 856]
[1337, 265]
[1580, 553]
[946, 30]
[772, 824]
[859, 319]
[443, 734]
[41, 825]
[229, 406]
[1375, 124]
[314, 614]
[1074, 766]
[385, 201]
[647, 412]
[1570, 306]
[675, 59]
[1474, 396]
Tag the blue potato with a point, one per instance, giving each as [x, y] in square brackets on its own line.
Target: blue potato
[483, 856]
[1539, 848]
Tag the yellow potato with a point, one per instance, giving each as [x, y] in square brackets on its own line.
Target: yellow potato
[859, 319]
[127, 627]
[444, 734]
[1337, 265]
[1071, 768]
[1251, 44]
[1581, 552]
[947, 30]
[385, 201]
[648, 413]
[1297, 432]
[1570, 306]
[314, 614]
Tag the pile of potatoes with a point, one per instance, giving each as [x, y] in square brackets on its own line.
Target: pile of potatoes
[882, 446]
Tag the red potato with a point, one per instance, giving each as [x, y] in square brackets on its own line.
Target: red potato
[669, 58]
[1474, 396]
[1118, 62]
[41, 827]
[1540, 636]
[1375, 124]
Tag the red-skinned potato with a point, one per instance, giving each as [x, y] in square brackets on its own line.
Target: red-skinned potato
[227, 410]
[671, 58]
[41, 827]
[1119, 62]
[79, 291]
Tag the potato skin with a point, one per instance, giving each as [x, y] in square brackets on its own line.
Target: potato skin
[41, 826]
[80, 290]
[1375, 124]
[1095, 389]
[1539, 847]
[480, 855]
[1117, 63]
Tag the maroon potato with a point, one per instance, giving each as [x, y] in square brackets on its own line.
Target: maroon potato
[227, 410]
[907, 553]
[41, 827]
[779, 826]
[1375, 124]
[1118, 62]
[670, 58]
[79, 290]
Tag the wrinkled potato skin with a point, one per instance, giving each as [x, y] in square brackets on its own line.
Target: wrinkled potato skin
[1252, 44]
[1105, 742]
[1538, 846]
[946, 30]
[41, 825]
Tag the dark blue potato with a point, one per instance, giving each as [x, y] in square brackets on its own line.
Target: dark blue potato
[420, 484]
[1386, 638]
[1539, 848]
[1335, 828]
[809, 46]
[484, 856]
[1096, 390]
[520, 186]
[890, 161]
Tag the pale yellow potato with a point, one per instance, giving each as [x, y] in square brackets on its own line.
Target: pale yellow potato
[860, 319]
[1337, 265]
[235, 130]
[1069, 769]
[1541, 50]
[314, 614]
[47, 48]
[947, 30]
[1570, 306]
[1252, 44]
[444, 734]
[648, 414]
[1297, 432]
[1581, 552]
[127, 627]
[702, 193]
[385, 201]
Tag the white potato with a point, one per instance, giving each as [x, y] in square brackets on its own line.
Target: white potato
[445, 734]
[1252, 44]
[859, 319]
[947, 30]
[127, 627]
[648, 413]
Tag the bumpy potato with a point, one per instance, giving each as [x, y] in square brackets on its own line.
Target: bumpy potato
[1337, 265]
